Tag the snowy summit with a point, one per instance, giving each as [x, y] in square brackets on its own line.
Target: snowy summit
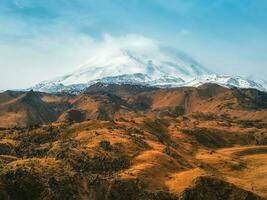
[147, 64]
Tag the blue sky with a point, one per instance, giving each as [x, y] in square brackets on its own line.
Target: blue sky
[41, 39]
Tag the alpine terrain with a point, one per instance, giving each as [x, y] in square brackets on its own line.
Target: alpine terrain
[124, 141]
[166, 67]
[135, 125]
[133, 100]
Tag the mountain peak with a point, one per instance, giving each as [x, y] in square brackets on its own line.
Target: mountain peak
[161, 66]
[120, 62]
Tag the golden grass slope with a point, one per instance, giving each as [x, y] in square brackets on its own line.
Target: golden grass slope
[133, 159]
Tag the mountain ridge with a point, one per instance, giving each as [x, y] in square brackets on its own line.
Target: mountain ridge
[142, 79]
[112, 101]
[168, 68]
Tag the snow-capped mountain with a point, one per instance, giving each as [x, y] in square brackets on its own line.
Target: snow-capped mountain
[228, 81]
[163, 67]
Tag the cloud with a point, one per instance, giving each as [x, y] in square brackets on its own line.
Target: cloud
[27, 62]
[130, 41]
[44, 39]
[49, 54]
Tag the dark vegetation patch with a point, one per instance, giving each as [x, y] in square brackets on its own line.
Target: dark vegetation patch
[208, 91]
[75, 116]
[99, 163]
[6, 149]
[158, 128]
[37, 179]
[212, 138]
[212, 188]
[261, 138]
[251, 99]
[121, 90]
[141, 103]
[32, 144]
[104, 114]
[172, 112]
[105, 145]
[179, 159]
[252, 124]
[137, 137]
[252, 151]
[205, 116]
[135, 189]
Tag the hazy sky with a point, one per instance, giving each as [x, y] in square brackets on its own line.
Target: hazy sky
[42, 39]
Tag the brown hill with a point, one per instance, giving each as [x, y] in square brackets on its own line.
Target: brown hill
[110, 102]
[24, 109]
[9, 95]
[141, 158]
[116, 142]
[123, 91]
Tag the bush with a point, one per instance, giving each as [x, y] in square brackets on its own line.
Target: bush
[99, 163]
[104, 144]
[38, 179]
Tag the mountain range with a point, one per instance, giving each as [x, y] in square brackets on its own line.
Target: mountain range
[166, 67]
[112, 101]
[135, 125]
[125, 141]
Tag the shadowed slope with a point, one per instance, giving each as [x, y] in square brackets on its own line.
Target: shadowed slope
[26, 109]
